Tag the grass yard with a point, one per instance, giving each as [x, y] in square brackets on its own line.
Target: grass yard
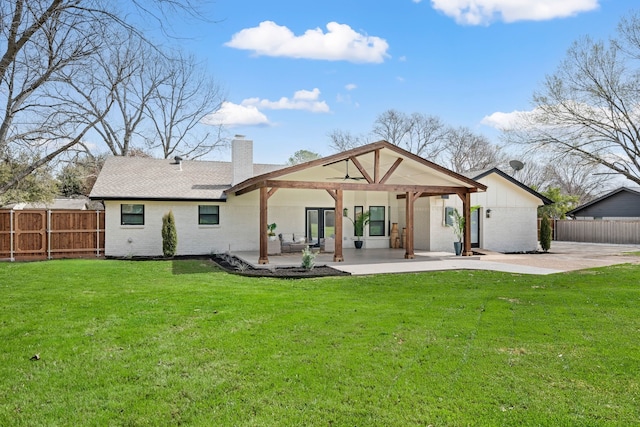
[168, 343]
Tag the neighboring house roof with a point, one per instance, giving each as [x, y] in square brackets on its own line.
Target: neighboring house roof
[621, 202]
[81, 203]
[482, 173]
[139, 178]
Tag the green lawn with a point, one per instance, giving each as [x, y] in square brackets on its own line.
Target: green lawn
[169, 343]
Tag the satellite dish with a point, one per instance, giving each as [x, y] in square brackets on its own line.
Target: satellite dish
[516, 165]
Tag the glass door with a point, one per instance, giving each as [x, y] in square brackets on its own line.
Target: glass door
[320, 223]
[313, 227]
[475, 228]
[329, 228]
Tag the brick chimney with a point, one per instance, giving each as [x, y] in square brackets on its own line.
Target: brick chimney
[241, 159]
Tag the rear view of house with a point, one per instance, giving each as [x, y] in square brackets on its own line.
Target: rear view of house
[226, 206]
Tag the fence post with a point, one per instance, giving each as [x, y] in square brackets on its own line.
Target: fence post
[49, 234]
[97, 234]
[11, 231]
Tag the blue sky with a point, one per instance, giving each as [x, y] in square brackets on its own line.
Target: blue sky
[293, 71]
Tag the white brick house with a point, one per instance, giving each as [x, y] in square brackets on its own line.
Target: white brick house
[221, 206]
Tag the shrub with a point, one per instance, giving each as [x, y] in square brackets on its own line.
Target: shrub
[308, 259]
[169, 235]
[545, 233]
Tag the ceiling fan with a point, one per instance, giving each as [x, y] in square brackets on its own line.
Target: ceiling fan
[346, 175]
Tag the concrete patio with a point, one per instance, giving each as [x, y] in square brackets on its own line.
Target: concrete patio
[563, 256]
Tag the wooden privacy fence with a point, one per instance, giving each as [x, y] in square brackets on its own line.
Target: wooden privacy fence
[598, 231]
[46, 234]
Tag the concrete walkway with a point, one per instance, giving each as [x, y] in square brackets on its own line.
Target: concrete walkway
[563, 256]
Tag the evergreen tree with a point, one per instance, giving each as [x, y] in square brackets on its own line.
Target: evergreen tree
[169, 235]
[545, 233]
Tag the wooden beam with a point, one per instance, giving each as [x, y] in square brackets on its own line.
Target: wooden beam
[466, 206]
[391, 170]
[333, 194]
[337, 251]
[361, 168]
[271, 192]
[264, 258]
[353, 186]
[409, 201]
[376, 166]
[251, 188]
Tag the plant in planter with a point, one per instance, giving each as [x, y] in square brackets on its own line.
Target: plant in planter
[271, 231]
[359, 224]
[458, 227]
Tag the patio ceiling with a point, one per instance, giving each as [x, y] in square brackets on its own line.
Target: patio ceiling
[380, 166]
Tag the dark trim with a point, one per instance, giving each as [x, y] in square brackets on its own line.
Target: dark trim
[122, 214]
[514, 181]
[200, 215]
[159, 199]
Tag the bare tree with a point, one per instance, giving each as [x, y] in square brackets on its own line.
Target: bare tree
[44, 40]
[575, 177]
[117, 89]
[50, 45]
[418, 133]
[345, 140]
[177, 106]
[466, 151]
[392, 126]
[537, 172]
[589, 107]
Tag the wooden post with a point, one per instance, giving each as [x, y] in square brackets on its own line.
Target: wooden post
[264, 258]
[466, 207]
[337, 254]
[409, 199]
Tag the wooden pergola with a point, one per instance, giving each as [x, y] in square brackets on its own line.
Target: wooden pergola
[401, 173]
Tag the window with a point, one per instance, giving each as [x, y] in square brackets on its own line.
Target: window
[376, 221]
[208, 215]
[448, 216]
[131, 214]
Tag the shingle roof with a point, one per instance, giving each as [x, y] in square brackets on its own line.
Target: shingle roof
[80, 203]
[163, 179]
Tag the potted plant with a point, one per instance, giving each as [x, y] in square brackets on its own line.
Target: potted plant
[271, 231]
[358, 227]
[458, 229]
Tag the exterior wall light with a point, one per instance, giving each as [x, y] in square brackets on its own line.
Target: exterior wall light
[488, 213]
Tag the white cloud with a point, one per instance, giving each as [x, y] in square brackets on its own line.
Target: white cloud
[504, 121]
[232, 115]
[483, 12]
[339, 43]
[351, 86]
[302, 100]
